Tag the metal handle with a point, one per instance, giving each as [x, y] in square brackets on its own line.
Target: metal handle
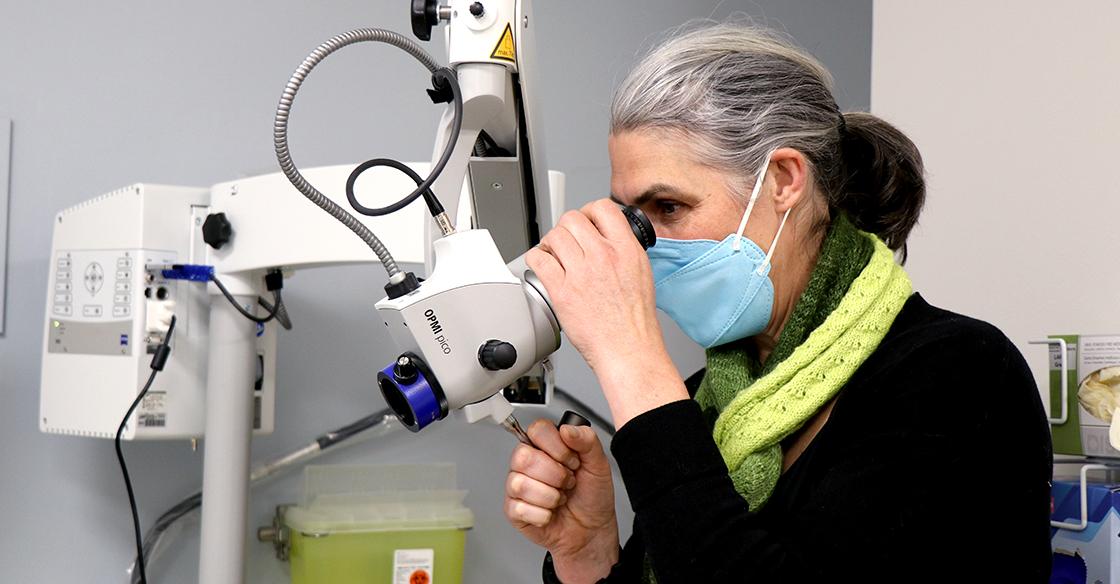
[1064, 367]
[571, 418]
[1081, 525]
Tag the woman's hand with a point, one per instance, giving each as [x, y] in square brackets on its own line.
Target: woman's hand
[599, 280]
[601, 286]
[561, 497]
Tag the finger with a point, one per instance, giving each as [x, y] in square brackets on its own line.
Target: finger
[540, 466]
[585, 442]
[563, 246]
[546, 437]
[584, 231]
[534, 492]
[608, 219]
[521, 513]
[545, 266]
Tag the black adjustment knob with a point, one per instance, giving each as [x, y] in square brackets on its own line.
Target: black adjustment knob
[497, 355]
[425, 15]
[217, 230]
[404, 371]
[641, 226]
[571, 418]
[408, 284]
[477, 9]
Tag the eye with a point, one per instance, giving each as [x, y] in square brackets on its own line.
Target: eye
[668, 209]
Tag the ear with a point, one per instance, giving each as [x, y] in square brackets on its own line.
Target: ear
[790, 170]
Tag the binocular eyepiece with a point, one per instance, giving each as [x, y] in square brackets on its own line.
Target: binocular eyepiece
[640, 225]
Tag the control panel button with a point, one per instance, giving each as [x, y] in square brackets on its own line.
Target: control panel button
[124, 274]
[62, 298]
[122, 298]
[124, 262]
[124, 286]
[64, 263]
[94, 277]
[63, 310]
[63, 275]
[62, 286]
[121, 310]
[91, 310]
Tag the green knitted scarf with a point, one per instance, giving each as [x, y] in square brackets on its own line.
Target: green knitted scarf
[853, 296]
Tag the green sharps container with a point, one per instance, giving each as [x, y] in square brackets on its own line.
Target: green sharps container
[378, 524]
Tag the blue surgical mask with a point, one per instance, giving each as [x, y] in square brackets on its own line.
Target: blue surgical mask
[716, 291]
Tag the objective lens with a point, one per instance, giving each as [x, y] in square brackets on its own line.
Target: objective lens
[415, 398]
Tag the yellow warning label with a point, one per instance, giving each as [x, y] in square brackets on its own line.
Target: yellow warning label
[505, 49]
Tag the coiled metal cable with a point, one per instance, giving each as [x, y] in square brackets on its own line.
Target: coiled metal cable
[280, 130]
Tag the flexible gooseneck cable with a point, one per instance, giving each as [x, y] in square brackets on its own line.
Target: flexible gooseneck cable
[280, 131]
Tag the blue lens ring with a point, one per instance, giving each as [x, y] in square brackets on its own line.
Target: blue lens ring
[417, 403]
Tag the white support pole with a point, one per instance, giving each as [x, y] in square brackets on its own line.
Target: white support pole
[229, 425]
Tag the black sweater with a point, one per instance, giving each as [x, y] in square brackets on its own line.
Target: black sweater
[933, 466]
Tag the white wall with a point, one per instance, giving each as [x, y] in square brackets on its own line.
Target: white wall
[103, 94]
[1015, 109]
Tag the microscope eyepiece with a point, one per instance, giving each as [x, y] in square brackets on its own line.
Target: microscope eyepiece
[641, 226]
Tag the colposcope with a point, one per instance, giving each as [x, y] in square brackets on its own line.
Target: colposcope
[477, 329]
[474, 327]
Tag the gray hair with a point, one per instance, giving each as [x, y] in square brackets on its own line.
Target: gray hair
[738, 92]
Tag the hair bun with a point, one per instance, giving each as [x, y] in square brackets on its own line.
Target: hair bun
[884, 188]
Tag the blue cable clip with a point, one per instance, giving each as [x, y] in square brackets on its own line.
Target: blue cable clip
[191, 272]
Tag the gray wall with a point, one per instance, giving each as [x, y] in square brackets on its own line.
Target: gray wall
[103, 94]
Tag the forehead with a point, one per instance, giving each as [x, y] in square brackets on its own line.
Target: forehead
[648, 150]
[646, 154]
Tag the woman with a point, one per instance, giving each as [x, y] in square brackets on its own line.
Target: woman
[844, 428]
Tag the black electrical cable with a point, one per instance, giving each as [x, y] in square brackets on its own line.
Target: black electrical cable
[444, 80]
[159, 359]
[271, 314]
[434, 206]
[281, 312]
[128, 481]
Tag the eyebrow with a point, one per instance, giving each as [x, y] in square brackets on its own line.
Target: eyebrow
[650, 193]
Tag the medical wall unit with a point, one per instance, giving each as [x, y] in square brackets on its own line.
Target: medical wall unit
[108, 305]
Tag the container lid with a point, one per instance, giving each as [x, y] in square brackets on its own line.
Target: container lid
[360, 498]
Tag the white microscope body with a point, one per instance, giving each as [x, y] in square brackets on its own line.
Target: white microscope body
[461, 364]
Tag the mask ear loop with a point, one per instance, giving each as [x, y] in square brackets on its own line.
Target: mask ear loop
[735, 245]
[773, 244]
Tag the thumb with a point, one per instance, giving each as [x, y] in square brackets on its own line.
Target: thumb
[585, 442]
